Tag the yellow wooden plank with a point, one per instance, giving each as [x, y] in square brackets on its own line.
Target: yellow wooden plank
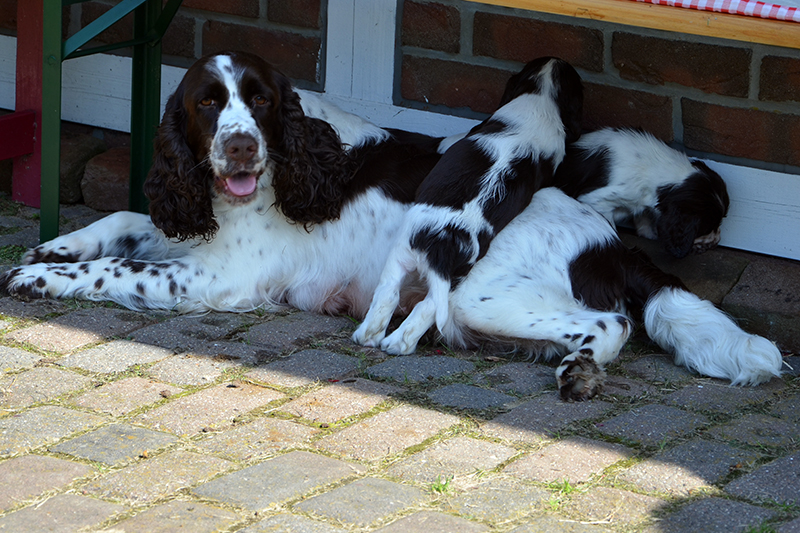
[693, 21]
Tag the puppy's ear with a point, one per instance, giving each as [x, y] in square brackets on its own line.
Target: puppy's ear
[569, 96]
[177, 185]
[677, 230]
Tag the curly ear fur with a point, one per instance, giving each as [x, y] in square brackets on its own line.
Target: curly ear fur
[177, 185]
[312, 167]
[677, 230]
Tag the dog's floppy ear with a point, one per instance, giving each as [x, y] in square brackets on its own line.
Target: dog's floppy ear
[177, 185]
[569, 97]
[677, 229]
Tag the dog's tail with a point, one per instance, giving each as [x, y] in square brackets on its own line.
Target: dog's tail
[701, 337]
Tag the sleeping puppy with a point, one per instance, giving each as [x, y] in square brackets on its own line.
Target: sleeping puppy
[621, 173]
[479, 185]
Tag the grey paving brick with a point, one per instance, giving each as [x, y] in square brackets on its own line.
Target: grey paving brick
[791, 365]
[790, 527]
[115, 356]
[290, 331]
[13, 359]
[66, 512]
[79, 328]
[623, 387]
[464, 396]
[185, 333]
[659, 369]
[712, 515]
[456, 457]
[554, 524]
[711, 396]
[387, 433]
[189, 369]
[257, 439]
[40, 426]
[363, 501]
[291, 524]
[340, 400]
[537, 419]
[413, 369]
[114, 444]
[216, 407]
[688, 467]
[304, 368]
[759, 429]
[519, 378]
[11, 307]
[787, 408]
[652, 424]
[575, 459]
[778, 481]
[499, 500]
[277, 480]
[430, 522]
[178, 516]
[26, 477]
[37, 385]
[146, 481]
[121, 397]
[619, 507]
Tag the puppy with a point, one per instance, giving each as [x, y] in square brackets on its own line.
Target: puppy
[479, 185]
[623, 172]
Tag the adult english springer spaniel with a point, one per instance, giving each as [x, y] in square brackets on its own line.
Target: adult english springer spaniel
[478, 186]
[623, 172]
[261, 195]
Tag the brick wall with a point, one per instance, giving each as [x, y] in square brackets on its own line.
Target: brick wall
[732, 100]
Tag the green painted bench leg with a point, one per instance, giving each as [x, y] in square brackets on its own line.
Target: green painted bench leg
[50, 121]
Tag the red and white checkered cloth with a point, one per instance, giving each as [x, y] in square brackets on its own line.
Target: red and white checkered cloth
[738, 7]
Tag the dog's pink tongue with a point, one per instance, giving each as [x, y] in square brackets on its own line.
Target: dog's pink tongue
[241, 185]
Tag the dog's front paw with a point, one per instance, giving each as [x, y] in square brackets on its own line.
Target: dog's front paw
[15, 283]
[368, 335]
[579, 378]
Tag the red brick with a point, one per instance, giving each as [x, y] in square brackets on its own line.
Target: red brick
[432, 26]
[711, 68]
[747, 133]
[453, 84]
[303, 13]
[523, 39]
[780, 79]
[243, 8]
[295, 55]
[8, 15]
[605, 105]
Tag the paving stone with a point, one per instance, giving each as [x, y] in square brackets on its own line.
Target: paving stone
[121, 397]
[652, 424]
[363, 501]
[13, 359]
[790, 527]
[274, 481]
[291, 524]
[115, 356]
[413, 369]
[26, 477]
[290, 331]
[257, 439]
[146, 481]
[519, 379]
[11, 307]
[40, 426]
[304, 368]
[575, 459]
[713, 397]
[114, 444]
[659, 369]
[787, 408]
[66, 512]
[619, 507]
[778, 481]
[553, 524]
[178, 516]
[432, 522]
[712, 515]
[456, 457]
[759, 429]
[189, 369]
[387, 433]
[499, 500]
[340, 400]
[37, 385]
[79, 328]
[184, 333]
[791, 365]
[464, 396]
[210, 408]
[622, 387]
[688, 467]
[541, 417]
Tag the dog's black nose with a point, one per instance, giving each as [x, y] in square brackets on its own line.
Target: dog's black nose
[241, 147]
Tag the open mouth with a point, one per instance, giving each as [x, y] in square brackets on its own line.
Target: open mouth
[240, 184]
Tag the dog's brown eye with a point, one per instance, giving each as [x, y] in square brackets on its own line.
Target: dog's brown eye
[205, 102]
[260, 100]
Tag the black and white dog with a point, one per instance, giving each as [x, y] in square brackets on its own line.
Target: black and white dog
[478, 186]
[672, 198]
[261, 196]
